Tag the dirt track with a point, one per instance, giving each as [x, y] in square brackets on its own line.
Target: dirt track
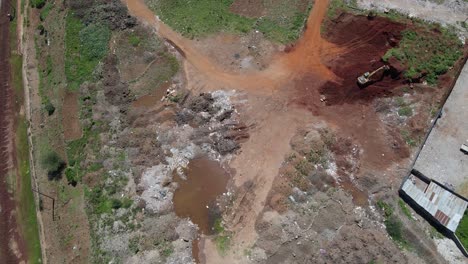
[12, 248]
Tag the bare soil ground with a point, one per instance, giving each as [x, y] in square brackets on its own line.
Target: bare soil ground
[71, 119]
[309, 87]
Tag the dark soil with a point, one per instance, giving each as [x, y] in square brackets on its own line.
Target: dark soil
[366, 41]
[9, 226]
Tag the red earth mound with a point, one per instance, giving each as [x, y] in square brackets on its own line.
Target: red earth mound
[365, 42]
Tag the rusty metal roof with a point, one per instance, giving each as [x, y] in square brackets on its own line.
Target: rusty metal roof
[443, 205]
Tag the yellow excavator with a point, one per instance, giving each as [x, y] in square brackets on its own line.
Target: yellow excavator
[366, 78]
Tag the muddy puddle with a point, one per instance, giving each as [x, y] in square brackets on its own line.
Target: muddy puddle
[152, 98]
[196, 196]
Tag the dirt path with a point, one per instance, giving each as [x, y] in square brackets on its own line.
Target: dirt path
[12, 247]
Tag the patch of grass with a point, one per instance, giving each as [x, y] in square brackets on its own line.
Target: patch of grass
[283, 23]
[200, 18]
[23, 194]
[223, 243]
[134, 40]
[45, 11]
[385, 207]
[406, 211]
[427, 53]
[16, 62]
[222, 238]
[393, 225]
[85, 47]
[405, 111]
[336, 5]
[462, 230]
[410, 141]
[218, 226]
[38, 3]
[27, 208]
[434, 234]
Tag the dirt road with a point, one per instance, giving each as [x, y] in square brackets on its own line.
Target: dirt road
[12, 248]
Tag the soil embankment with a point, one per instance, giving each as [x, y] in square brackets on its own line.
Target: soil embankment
[12, 248]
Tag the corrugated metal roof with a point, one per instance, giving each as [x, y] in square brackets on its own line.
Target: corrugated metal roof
[443, 205]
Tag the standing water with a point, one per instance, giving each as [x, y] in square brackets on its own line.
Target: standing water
[196, 196]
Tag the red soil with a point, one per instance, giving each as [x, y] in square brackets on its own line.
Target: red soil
[365, 41]
[9, 231]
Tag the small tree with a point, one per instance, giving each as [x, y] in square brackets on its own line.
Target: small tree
[54, 165]
[49, 107]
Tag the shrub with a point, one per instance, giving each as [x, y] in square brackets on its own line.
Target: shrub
[54, 165]
[38, 3]
[405, 111]
[394, 226]
[49, 107]
[134, 40]
[71, 176]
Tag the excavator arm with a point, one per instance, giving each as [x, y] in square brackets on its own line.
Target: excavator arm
[367, 77]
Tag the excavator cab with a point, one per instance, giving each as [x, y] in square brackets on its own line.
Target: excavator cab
[366, 78]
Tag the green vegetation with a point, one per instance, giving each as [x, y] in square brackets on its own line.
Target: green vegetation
[38, 3]
[393, 224]
[134, 40]
[427, 54]
[336, 5]
[202, 17]
[462, 230]
[49, 107]
[406, 211]
[410, 141]
[405, 111]
[27, 210]
[433, 233]
[53, 163]
[222, 239]
[404, 108]
[45, 12]
[85, 47]
[25, 198]
[283, 23]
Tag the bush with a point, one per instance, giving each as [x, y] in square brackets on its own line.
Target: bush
[71, 176]
[394, 226]
[405, 111]
[38, 3]
[134, 40]
[49, 107]
[54, 165]
[116, 203]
